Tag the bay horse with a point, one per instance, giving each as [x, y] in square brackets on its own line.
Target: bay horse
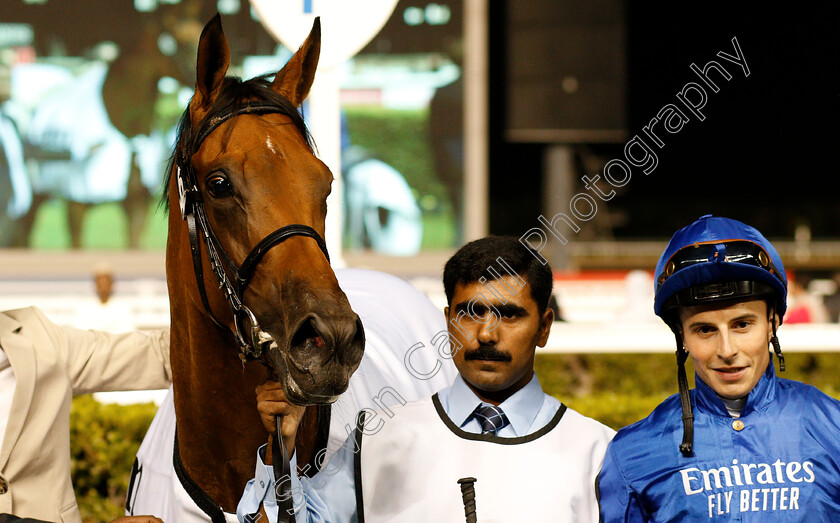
[243, 179]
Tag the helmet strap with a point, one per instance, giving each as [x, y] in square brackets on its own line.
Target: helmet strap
[777, 348]
[686, 447]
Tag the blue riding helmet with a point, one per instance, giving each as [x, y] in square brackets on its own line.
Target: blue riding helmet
[718, 259]
[714, 260]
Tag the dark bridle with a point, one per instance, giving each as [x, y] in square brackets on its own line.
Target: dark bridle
[250, 337]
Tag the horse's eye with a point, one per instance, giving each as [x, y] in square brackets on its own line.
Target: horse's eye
[218, 186]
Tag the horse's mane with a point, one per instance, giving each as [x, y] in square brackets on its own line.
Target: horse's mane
[235, 92]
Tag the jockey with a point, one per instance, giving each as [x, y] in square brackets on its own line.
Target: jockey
[764, 448]
[491, 444]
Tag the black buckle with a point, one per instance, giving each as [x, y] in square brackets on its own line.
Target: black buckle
[714, 291]
[721, 291]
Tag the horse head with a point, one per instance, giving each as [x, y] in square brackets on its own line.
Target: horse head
[246, 169]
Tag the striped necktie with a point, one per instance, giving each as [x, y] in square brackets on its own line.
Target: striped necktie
[490, 417]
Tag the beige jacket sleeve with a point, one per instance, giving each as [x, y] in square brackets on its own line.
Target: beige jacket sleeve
[97, 361]
[51, 364]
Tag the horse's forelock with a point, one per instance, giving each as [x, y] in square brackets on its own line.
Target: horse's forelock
[234, 93]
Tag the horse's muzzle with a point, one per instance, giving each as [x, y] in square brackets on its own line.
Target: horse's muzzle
[321, 357]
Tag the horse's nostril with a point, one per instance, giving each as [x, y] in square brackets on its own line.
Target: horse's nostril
[339, 338]
[307, 332]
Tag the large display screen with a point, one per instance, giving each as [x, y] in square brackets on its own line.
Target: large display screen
[90, 92]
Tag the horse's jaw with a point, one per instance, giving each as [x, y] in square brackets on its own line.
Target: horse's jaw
[296, 391]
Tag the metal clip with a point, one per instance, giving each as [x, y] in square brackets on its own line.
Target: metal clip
[257, 339]
[183, 196]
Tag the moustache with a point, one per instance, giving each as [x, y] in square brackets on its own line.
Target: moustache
[487, 352]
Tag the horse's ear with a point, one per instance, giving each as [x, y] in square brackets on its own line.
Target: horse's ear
[212, 64]
[295, 79]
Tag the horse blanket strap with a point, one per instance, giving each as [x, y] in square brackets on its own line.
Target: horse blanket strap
[199, 497]
[282, 476]
[357, 467]
[322, 436]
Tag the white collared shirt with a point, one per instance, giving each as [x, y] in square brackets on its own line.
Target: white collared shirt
[528, 409]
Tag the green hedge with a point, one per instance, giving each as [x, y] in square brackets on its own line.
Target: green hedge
[103, 443]
[621, 389]
[615, 389]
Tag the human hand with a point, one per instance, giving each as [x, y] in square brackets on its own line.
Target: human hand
[272, 402]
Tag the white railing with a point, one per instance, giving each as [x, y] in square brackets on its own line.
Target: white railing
[596, 312]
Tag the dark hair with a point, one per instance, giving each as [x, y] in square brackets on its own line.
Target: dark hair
[473, 260]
